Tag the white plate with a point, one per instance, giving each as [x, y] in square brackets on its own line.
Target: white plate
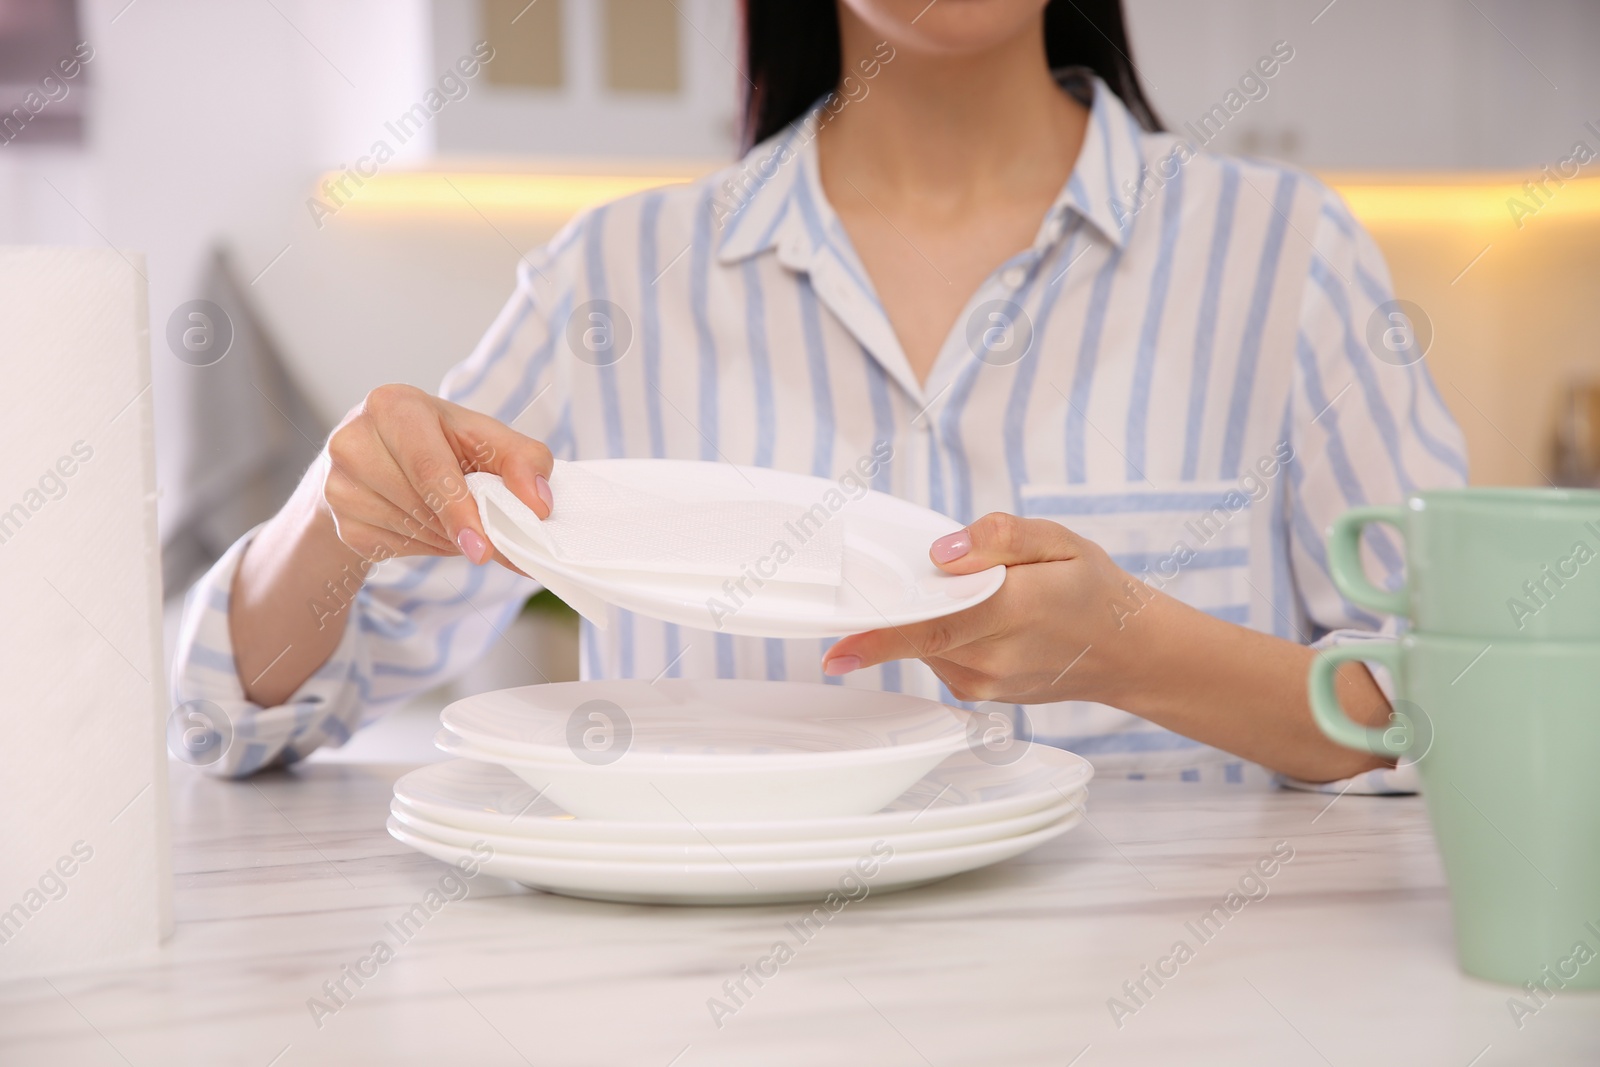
[707, 851]
[963, 790]
[715, 750]
[888, 579]
[881, 868]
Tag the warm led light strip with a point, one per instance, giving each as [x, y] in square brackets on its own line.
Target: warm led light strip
[1374, 202]
[1484, 203]
[544, 195]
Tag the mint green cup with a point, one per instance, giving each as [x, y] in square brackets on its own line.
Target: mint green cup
[1506, 738]
[1492, 563]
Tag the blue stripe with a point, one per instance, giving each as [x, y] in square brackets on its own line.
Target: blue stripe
[1342, 222]
[1204, 559]
[1255, 325]
[817, 366]
[1417, 374]
[699, 286]
[1134, 148]
[776, 671]
[1205, 330]
[589, 644]
[1284, 617]
[1114, 503]
[212, 659]
[936, 499]
[517, 400]
[650, 322]
[625, 633]
[889, 675]
[1102, 119]
[1080, 196]
[610, 400]
[674, 659]
[760, 364]
[1150, 332]
[1344, 472]
[883, 424]
[950, 435]
[1146, 739]
[1363, 363]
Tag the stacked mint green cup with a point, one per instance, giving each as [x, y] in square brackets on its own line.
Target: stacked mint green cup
[1497, 678]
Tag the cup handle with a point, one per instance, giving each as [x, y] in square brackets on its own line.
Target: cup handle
[1325, 708]
[1344, 559]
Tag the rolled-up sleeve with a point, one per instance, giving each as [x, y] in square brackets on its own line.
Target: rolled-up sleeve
[1368, 426]
[417, 621]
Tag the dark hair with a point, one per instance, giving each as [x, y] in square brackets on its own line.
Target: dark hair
[791, 56]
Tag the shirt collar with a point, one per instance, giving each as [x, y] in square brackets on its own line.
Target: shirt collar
[773, 197]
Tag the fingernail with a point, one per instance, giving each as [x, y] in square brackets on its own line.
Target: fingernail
[542, 487]
[472, 545]
[951, 547]
[841, 665]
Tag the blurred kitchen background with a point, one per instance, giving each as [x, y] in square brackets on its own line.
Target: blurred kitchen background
[199, 131]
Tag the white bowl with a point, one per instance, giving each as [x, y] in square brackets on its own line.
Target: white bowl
[634, 789]
[707, 750]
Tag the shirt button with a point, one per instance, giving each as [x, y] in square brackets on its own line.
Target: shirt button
[1013, 277]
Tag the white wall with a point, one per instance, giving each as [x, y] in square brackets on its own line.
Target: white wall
[208, 121]
[1381, 84]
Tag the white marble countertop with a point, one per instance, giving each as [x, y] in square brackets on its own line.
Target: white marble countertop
[284, 880]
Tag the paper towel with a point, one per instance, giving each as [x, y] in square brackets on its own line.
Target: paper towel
[85, 871]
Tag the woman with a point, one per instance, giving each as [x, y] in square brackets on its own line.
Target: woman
[1138, 373]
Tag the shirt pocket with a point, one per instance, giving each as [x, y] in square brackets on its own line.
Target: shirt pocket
[1191, 541]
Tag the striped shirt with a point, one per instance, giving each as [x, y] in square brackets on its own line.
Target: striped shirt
[1179, 367]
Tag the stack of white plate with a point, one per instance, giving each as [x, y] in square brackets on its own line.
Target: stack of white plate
[727, 791]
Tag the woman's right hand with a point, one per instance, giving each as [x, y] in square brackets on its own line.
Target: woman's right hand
[393, 475]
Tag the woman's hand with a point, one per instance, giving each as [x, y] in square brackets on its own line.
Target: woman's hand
[393, 475]
[1069, 624]
[1060, 628]
[391, 482]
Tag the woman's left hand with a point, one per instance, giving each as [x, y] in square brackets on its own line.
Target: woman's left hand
[1064, 626]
